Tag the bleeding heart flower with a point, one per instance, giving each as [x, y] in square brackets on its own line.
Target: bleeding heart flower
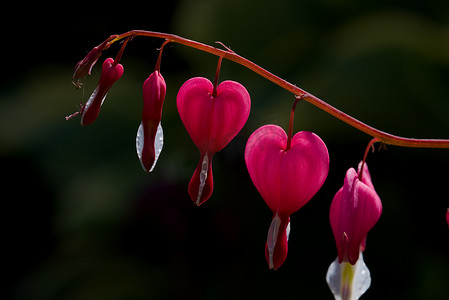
[150, 137]
[286, 178]
[110, 73]
[212, 117]
[355, 209]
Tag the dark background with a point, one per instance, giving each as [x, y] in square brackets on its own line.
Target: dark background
[81, 220]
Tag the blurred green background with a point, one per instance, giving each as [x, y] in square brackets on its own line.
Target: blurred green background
[81, 220]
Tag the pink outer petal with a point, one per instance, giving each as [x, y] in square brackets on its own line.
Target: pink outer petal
[366, 177]
[212, 122]
[303, 170]
[263, 155]
[355, 209]
[288, 179]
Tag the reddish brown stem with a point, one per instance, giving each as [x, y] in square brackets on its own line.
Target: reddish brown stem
[383, 137]
[290, 126]
[217, 75]
[159, 58]
[368, 147]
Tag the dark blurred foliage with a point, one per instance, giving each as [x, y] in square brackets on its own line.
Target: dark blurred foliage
[81, 220]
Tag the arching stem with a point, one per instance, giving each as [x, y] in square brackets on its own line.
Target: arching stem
[384, 137]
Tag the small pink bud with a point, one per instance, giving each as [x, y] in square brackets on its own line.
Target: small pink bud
[149, 140]
[355, 209]
[110, 73]
[84, 66]
[212, 121]
[286, 179]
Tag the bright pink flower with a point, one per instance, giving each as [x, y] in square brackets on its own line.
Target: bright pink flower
[110, 73]
[149, 138]
[286, 179]
[355, 209]
[212, 121]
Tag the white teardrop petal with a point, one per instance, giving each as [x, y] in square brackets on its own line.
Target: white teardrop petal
[139, 144]
[272, 238]
[362, 278]
[203, 177]
[158, 144]
[346, 281]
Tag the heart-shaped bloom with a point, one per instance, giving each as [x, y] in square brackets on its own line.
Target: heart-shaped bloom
[355, 209]
[110, 73]
[212, 118]
[285, 178]
[150, 137]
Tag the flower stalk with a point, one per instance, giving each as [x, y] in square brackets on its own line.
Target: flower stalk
[228, 54]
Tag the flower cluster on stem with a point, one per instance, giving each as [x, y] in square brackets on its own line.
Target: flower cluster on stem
[287, 169]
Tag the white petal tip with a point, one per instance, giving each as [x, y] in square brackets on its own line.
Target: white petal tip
[158, 144]
[346, 281]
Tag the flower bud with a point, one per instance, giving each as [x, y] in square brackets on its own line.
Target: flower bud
[150, 138]
[355, 209]
[110, 73]
[84, 66]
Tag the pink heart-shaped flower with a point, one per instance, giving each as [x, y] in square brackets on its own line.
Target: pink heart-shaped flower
[212, 121]
[286, 179]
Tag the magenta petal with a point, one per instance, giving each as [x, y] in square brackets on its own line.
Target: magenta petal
[288, 179]
[355, 209]
[263, 154]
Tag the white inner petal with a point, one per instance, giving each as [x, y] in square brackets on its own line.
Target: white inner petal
[139, 143]
[346, 281]
[158, 144]
[203, 177]
[272, 238]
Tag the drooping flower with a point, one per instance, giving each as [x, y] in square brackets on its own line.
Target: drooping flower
[212, 117]
[110, 73]
[355, 209]
[150, 137]
[286, 179]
